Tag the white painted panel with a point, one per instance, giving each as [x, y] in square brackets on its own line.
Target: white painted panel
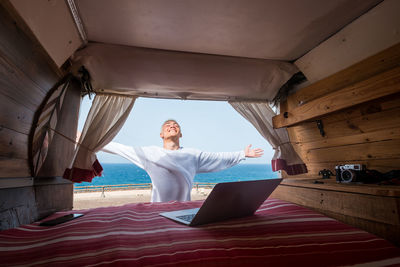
[53, 26]
[371, 33]
[267, 29]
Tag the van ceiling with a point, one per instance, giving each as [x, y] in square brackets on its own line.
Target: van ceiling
[265, 29]
[236, 38]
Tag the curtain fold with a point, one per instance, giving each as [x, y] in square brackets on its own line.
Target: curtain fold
[260, 115]
[106, 117]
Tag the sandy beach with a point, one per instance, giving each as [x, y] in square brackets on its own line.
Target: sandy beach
[118, 198]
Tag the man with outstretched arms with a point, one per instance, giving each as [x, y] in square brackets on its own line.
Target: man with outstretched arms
[172, 168]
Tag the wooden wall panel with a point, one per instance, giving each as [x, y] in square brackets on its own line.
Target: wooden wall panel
[52, 198]
[15, 85]
[17, 206]
[372, 150]
[27, 74]
[368, 134]
[24, 50]
[382, 165]
[376, 214]
[13, 144]
[369, 117]
[383, 61]
[12, 167]
[378, 86]
[15, 116]
[346, 207]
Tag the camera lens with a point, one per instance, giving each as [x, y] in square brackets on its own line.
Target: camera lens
[347, 176]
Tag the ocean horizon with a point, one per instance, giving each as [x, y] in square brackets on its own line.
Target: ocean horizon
[127, 173]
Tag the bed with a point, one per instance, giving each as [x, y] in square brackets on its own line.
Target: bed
[279, 234]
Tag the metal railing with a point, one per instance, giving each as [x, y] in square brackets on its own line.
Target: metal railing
[104, 188]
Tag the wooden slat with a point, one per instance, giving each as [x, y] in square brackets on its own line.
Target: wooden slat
[331, 184]
[389, 232]
[378, 86]
[24, 50]
[14, 167]
[374, 116]
[382, 135]
[369, 207]
[15, 116]
[382, 165]
[374, 150]
[360, 126]
[15, 85]
[383, 61]
[51, 198]
[341, 206]
[13, 144]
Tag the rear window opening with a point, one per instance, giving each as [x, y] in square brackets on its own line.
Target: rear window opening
[212, 126]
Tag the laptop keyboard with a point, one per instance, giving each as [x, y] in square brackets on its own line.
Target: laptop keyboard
[187, 218]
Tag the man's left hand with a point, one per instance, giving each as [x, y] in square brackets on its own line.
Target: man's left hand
[253, 153]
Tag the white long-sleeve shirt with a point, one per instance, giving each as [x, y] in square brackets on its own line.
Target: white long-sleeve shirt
[172, 171]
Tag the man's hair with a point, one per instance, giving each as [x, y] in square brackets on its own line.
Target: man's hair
[165, 122]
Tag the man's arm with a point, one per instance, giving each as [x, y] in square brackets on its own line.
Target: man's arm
[135, 155]
[211, 162]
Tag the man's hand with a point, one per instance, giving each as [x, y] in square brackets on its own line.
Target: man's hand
[253, 153]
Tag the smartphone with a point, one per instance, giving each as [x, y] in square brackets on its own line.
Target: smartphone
[61, 219]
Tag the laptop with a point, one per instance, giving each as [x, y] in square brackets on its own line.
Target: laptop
[227, 201]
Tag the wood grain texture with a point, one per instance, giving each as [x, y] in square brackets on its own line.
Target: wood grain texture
[368, 207]
[331, 184]
[15, 85]
[381, 85]
[52, 198]
[373, 213]
[17, 206]
[27, 74]
[373, 150]
[13, 144]
[13, 167]
[15, 116]
[368, 137]
[382, 165]
[383, 61]
[386, 231]
[23, 49]
[369, 117]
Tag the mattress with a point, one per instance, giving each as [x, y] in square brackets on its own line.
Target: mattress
[279, 234]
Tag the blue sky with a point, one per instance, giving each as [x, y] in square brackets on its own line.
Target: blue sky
[206, 125]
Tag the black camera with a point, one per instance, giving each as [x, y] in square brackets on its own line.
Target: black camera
[350, 173]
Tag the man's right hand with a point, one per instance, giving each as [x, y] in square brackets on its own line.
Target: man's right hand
[253, 153]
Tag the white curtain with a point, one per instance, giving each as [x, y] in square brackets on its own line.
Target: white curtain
[106, 117]
[260, 115]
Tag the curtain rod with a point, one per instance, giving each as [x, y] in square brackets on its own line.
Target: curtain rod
[227, 99]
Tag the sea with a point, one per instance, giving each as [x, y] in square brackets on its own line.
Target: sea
[125, 173]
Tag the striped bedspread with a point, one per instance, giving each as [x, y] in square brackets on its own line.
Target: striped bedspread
[280, 234]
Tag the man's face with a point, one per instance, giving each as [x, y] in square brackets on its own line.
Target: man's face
[170, 129]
